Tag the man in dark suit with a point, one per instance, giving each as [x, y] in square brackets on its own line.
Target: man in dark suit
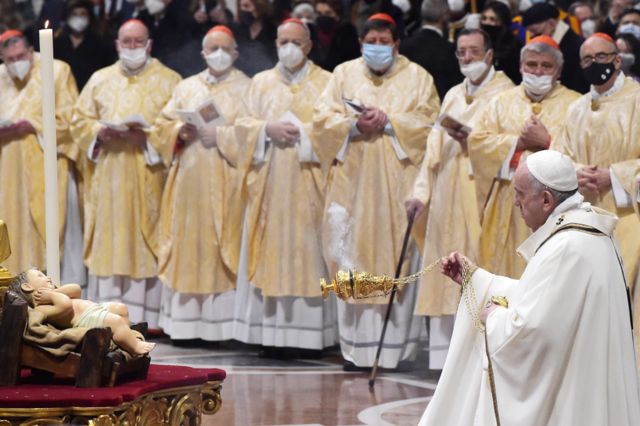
[542, 19]
[429, 47]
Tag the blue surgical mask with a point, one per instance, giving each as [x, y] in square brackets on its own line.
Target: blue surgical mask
[377, 56]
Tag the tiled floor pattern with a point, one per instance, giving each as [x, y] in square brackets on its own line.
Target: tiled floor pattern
[260, 391]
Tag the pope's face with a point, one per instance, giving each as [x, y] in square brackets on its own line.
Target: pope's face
[37, 280]
[534, 204]
[540, 64]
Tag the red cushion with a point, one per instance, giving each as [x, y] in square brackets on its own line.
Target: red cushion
[35, 392]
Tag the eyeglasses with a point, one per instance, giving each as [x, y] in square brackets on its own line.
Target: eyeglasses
[598, 58]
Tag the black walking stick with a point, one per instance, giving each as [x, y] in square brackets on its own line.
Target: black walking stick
[405, 244]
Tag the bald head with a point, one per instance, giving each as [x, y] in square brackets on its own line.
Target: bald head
[293, 30]
[133, 28]
[595, 44]
[218, 39]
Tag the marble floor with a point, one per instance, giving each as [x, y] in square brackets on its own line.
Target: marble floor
[262, 391]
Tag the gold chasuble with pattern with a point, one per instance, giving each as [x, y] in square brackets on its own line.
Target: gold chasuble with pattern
[22, 161]
[285, 186]
[371, 176]
[491, 146]
[447, 186]
[202, 205]
[122, 192]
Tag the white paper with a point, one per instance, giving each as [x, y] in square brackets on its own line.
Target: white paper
[206, 114]
[621, 197]
[132, 121]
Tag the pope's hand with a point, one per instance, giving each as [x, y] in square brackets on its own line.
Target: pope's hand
[534, 136]
[283, 131]
[490, 307]
[453, 266]
[414, 207]
[209, 136]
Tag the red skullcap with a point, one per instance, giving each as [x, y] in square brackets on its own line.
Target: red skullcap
[221, 29]
[294, 21]
[603, 36]
[382, 17]
[10, 34]
[545, 39]
[132, 21]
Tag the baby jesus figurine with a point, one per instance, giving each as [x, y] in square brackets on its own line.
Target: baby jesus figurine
[63, 308]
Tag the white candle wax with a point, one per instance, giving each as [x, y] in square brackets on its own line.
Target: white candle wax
[50, 155]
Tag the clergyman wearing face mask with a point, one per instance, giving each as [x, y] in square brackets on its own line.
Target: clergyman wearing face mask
[134, 52]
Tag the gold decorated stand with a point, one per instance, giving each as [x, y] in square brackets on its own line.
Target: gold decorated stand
[175, 407]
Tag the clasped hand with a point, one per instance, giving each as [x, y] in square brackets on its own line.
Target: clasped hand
[17, 130]
[284, 132]
[372, 120]
[534, 136]
[593, 179]
[134, 135]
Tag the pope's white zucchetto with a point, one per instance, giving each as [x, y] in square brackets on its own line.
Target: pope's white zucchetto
[553, 169]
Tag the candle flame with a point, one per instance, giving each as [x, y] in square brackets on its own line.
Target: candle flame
[46, 24]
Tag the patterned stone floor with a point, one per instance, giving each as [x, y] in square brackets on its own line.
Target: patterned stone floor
[262, 391]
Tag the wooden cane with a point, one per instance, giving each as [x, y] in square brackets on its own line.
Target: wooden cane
[405, 244]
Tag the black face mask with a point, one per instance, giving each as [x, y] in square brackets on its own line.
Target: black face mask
[494, 31]
[598, 74]
[325, 23]
[246, 18]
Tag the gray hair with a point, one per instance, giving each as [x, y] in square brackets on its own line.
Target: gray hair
[434, 10]
[542, 48]
[558, 196]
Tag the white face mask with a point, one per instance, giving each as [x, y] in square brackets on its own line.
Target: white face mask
[537, 85]
[132, 59]
[219, 60]
[154, 6]
[290, 55]
[78, 23]
[456, 5]
[19, 69]
[474, 70]
[588, 27]
[630, 28]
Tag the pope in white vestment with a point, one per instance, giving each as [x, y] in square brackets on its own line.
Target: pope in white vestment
[562, 351]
